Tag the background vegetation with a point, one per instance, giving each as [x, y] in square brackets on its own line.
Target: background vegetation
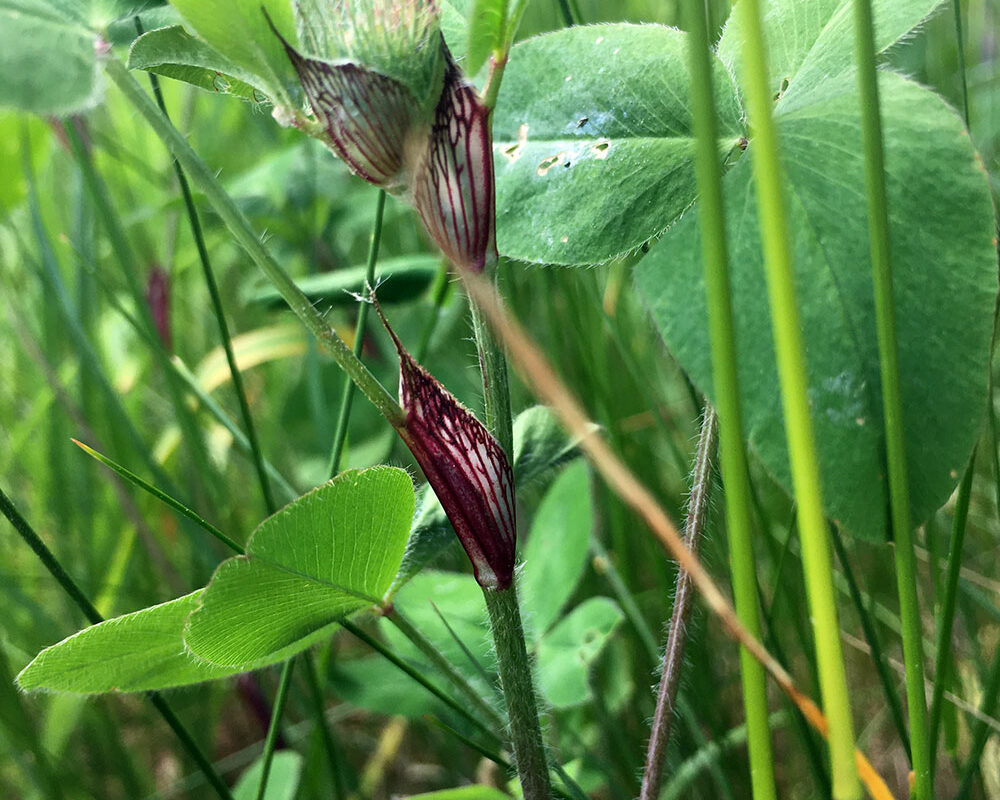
[74, 364]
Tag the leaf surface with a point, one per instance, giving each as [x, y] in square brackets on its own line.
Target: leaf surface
[811, 42]
[941, 227]
[330, 553]
[282, 782]
[567, 652]
[132, 653]
[238, 29]
[592, 141]
[175, 53]
[556, 553]
[66, 81]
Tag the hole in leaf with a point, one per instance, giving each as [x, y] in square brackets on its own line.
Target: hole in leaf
[550, 162]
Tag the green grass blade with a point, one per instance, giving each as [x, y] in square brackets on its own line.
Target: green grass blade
[892, 403]
[742, 562]
[946, 618]
[176, 505]
[347, 398]
[790, 354]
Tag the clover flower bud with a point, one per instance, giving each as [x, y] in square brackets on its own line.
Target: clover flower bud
[394, 106]
[465, 466]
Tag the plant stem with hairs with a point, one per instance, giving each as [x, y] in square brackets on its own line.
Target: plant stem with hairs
[519, 692]
[673, 654]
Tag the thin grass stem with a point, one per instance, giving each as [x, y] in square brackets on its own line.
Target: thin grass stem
[892, 403]
[444, 667]
[277, 711]
[946, 617]
[347, 398]
[956, 7]
[416, 675]
[176, 505]
[792, 374]
[871, 636]
[127, 263]
[217, 308]
[742, 562]
[334, 760]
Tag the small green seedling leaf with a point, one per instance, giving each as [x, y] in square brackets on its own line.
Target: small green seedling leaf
[332, 552]
[557, 548]
[136, 652]
[282, 782]
[175, 53]
[566, 653]
[593, 147]
[540, 445]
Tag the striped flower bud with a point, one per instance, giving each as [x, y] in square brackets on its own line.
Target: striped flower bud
[394, 106]
[465, 466]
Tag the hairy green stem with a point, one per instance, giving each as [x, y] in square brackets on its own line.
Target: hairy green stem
[496, 391]
[347, 398]
[203, 177]
[946, 619]
[673, 654]
[519, 692]
[742, 563]
[790, 354]
[51, 563]
[892, 402]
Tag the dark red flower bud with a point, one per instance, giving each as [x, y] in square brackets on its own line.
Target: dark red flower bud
[158, 298]
[453, 189]
[465, 466]
[427, 139]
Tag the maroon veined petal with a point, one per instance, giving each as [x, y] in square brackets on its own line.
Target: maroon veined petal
[453, 188]
[367, 116]
[465, 466]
